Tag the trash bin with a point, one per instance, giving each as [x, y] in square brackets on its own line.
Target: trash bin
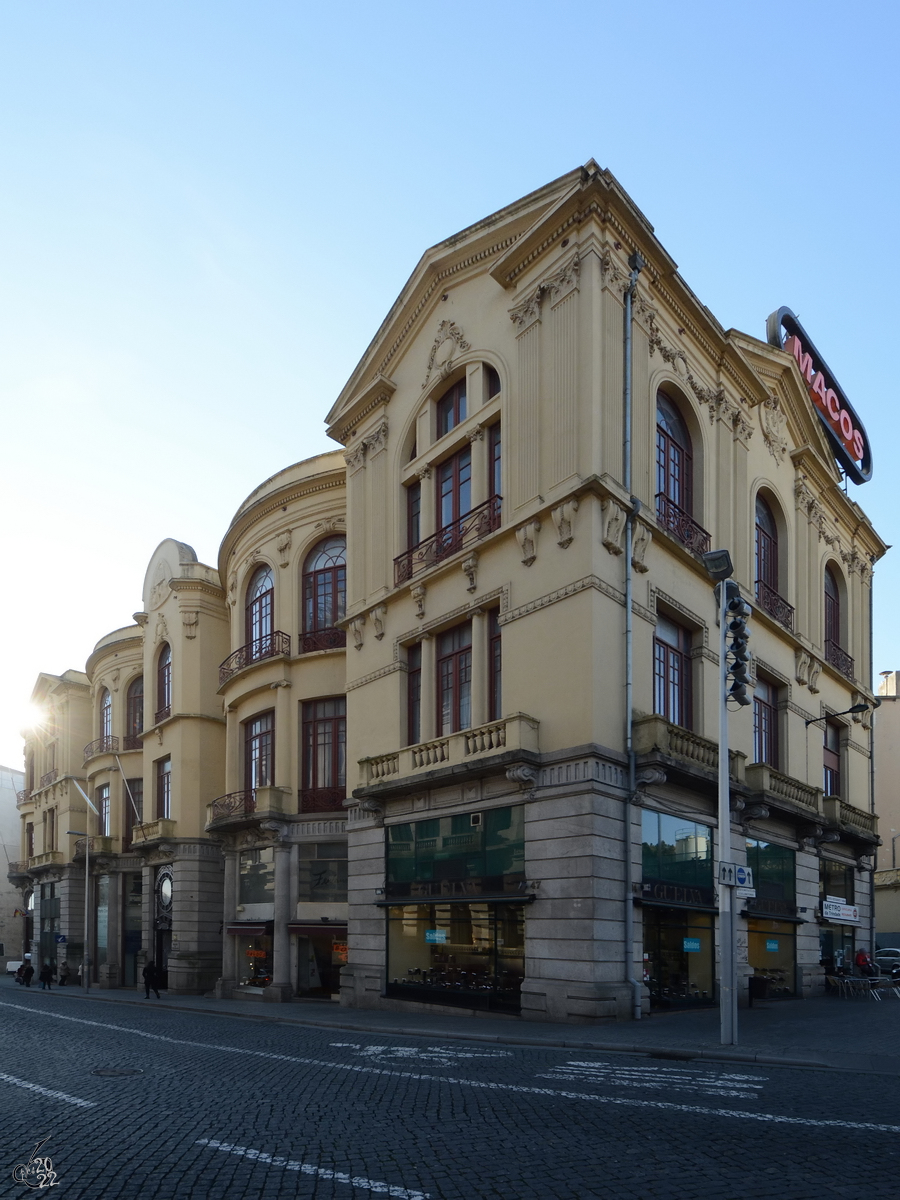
[759, 988]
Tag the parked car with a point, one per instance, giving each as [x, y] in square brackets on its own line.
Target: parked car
[13, 965]
[887, 958]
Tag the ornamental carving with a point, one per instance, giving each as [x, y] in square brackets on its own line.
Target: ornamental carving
[160, 584]
[773, 422]
[190, 621]
[283, 546]
[162, 630]
[331, 525]
[640, 540]
[355, 456]
[470, 570]
[527, 311]
[418, 594]
[526, 536]
[613, 524]
[561, 281]
[448, 341]
[356, 629]
[563, 518]
[377, 440]
[379, 615]
[715, 399]
[114, 681]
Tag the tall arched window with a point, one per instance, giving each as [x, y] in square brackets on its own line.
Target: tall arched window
[259, 613]
[134, 714]
[105, 714]
[324, 595]
[675, 477]
[835, 654]
[164, 683]
[767, 574]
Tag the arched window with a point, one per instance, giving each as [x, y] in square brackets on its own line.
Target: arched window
[134, 714]
[835, 654]
[105, 714]
[324, 595]
[767, 574]
[259, 613]
[675, 477]
[164, 683]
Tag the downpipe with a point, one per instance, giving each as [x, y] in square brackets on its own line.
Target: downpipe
[636, 262]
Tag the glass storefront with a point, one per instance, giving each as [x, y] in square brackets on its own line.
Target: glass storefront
[772, 953]
[49, 918]
[679, 957]
[254, 959]
[323, 872]
[469, 955]
[471, 854]
[101, 924]
[836, 948]
[132, 899]
[320, 955]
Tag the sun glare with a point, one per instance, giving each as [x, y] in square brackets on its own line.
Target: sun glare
[33, 717]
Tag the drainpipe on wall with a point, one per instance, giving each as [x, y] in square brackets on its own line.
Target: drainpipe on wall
[872, 930]
[636, 262]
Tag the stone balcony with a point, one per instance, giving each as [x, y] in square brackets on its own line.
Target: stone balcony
[238, 809]
[99, 844]
[50, 858]
[512, 737]
[851, 819]
[17, 872]
[152, 831]
[784, 791]
[656, 739]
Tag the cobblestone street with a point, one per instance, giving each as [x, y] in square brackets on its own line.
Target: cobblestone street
[229, 1107]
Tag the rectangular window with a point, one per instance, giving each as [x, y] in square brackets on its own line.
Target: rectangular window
[324, 755]
[413, 515]
[454, 489]
[765, 723]
[323, 873]
[672, 672]
[495, 666]
[677, 851]
[29, 840]
[463, 855]
[831, 759]
[130, 816]
[451, 408]
[49, 823]
[836, 881]
[164, 789]
[257, 876]
[104, 821]
[495, 461]
[259, 752]
[414, 694]
[454, 679]
[773, 878]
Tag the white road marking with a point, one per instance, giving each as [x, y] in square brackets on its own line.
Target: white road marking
[673, 1079]
[435, 1056]
[289, 1164]
[34, 1087]
[618, 1101]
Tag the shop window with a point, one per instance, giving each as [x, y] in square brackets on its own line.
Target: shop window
[678, 957]
[677, 851]
[254, 956]
[772, 953]
[259, 615]
[104, 819]
[48, 923]
[774, 878]
[164, 788]
[451, 408]
[831, 759]
[105, 714]
[454, 679]
[837, 881]
[324, 595]
[257, 876]
[324, 755]
[134, 714]
[164, 683]
[323, 872]
[495, 667]
[765, 723]
[466, 854]
[414, 694]
[259, 752]
[100, 948]
[672, 672]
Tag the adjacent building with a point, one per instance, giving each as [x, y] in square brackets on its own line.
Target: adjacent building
[441, 727]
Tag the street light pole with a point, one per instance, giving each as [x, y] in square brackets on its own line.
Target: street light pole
[86, 957]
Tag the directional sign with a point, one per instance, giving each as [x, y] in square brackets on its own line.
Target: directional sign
[735, 875]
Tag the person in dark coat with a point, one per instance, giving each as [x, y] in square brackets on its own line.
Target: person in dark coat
[28, 974]
[151, 979]
[64, 974]
[20, 974]
[46, 977]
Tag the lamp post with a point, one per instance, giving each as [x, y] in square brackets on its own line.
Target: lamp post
[86, 958]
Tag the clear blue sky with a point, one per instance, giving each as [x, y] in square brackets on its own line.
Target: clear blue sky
[207, 209]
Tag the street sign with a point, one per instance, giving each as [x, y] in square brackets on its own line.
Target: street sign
[735, 875]
[60, 939]
[745, 893]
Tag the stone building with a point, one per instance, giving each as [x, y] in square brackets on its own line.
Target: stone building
[441, 727]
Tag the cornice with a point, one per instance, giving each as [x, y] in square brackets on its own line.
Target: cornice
[273, 503]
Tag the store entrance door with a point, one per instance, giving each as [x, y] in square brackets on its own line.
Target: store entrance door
[321, 952]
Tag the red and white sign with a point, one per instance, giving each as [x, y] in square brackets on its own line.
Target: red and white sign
[846, 914]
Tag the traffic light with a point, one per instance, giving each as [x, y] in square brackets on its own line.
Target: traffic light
[737, 611]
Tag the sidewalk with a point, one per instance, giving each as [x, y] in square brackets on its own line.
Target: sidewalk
[857, 1035]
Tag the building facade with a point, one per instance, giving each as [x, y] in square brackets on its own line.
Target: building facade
[441, 728]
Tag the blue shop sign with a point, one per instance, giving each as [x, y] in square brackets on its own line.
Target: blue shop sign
[772, 944]
[691, 945]
[435, 935]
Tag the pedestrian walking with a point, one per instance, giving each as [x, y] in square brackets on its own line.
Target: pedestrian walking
[64, 974]
[151, 979]
[46, 977]
[28, 974]
[20, 975]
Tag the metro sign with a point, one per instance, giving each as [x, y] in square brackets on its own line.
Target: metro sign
[844, 428]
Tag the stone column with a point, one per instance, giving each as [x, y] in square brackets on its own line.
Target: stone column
[229, 965]
[479, 446]
[427, 722]
[479, 669]
[280, 987]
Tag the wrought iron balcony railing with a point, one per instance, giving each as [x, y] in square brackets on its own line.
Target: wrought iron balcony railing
[685, 529]
[839, 658]
[270, 646]
[132, 741]
[50, 777]
[322, 639]
[162, 714]
[776, 606]
[235, 804]
[322, 799]
[108, 744]
[22, 797]
[476, 524]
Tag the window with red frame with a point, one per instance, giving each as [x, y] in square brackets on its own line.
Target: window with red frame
[164, 789]
[674, 460]
[495, 667]
[832, 609]
[495, 446]
[324, 595]
[414, 694]
[451, 408]
[105, 714]
[29, 840]
[766, 546]
[831, 759]
[454, 679]
[164, 683]
[413, 515]
[104, 817]
[324, 754]
[454, 496]
[134, 714]
[259, 613]
[765, 723]
[672, 672]
[493, 382]
[259, 751]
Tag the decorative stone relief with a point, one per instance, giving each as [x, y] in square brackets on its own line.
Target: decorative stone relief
[356, 628]
[372, 808]
[523, 774]
[417, 591]
[773, 421]
[331, 525]
[448, 341]
[162, 630]
[526, 536]
[232, 589]
[470, 569]
[114, 680]
[140, 618]
[377, 440]
[563, 279]
[715, 399]
[190, 621]
[424, 473]
[476, 434]
[355, 456]
[613, 516]
[280, 829]
[527, 311]
[815, 669]
[641, 537]
[283, 546]
[563, 518]
[160, 584]
[379, 615]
